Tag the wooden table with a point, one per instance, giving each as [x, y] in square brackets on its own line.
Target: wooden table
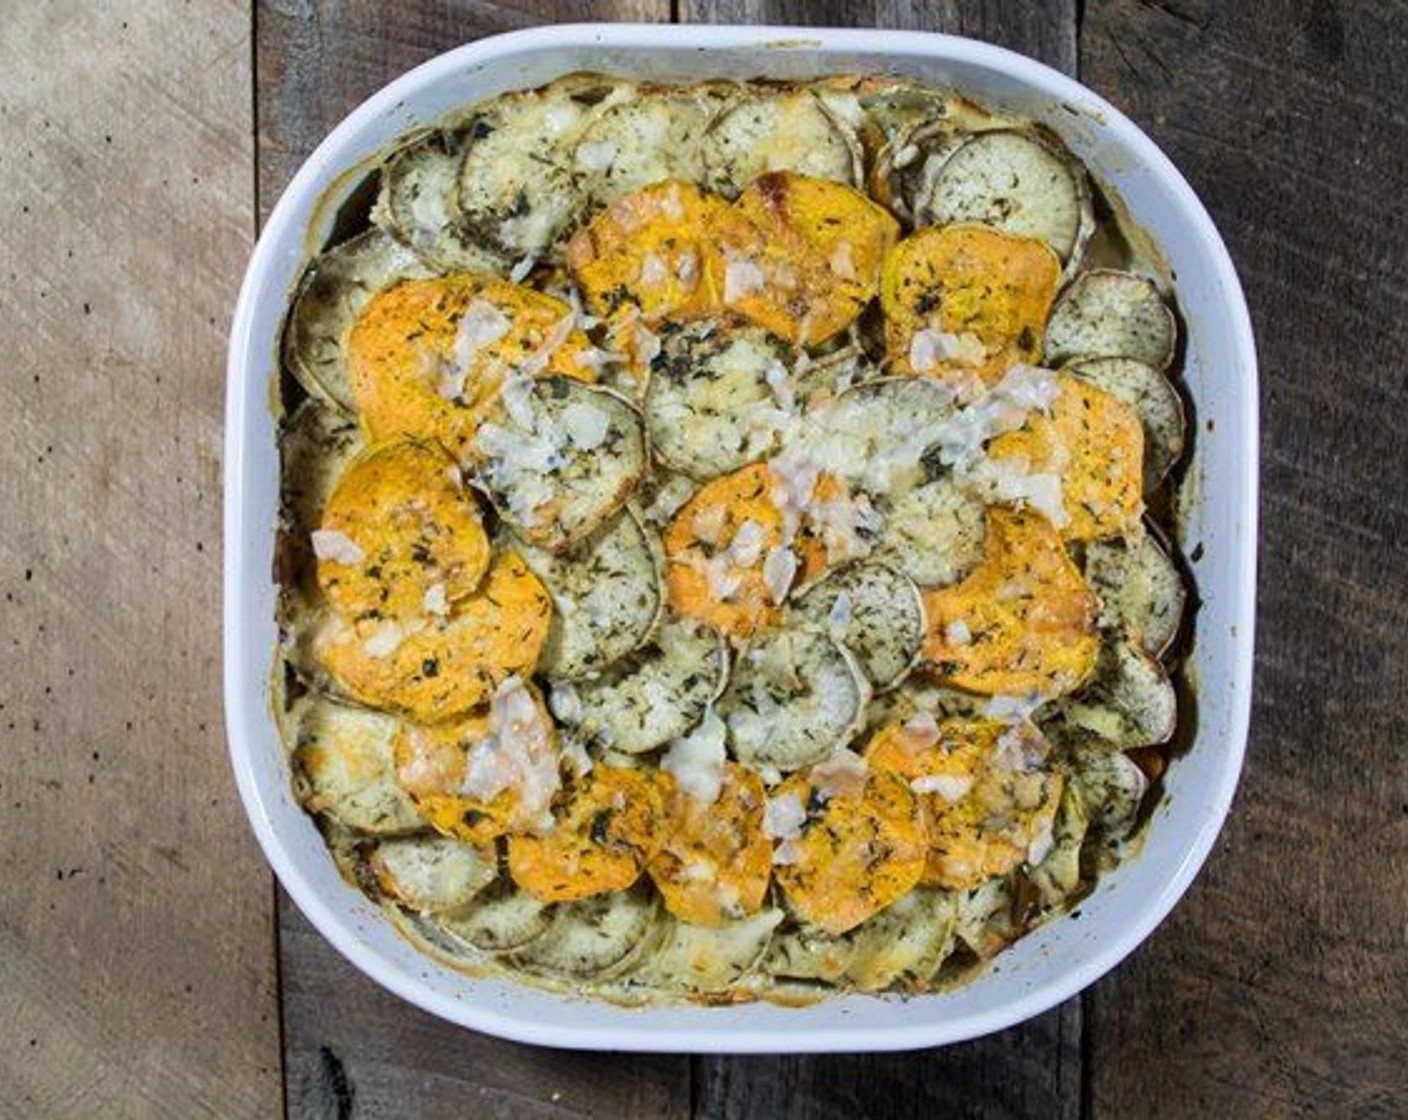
[148, 967]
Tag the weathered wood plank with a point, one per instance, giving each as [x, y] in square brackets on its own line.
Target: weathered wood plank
[351, 1049]
[1031, 1070]
[136, 934]
[1280, 986]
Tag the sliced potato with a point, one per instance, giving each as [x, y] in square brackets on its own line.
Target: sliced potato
[1128, 702]
[795, 698]
[419, 206]
[609, 593]
[966, 300]
[801, 256]
[709, 959]
[517, 190]
[558, 458]
[786, 131]
[1018, 181]
[400, 537]
[817, 381]
[905, 167]
[427, 358]
[604, 831]
[711, 406]
[1140, 589]
[656, 695]
[986, 922]
[1023, 621]
[861, 847]
[345, 762]
[594, 937]
[934, 533]
[1057, 877]
[922, 694]
[1105, 313]
[989, 793]
[1112, 789]
[905, 943]
[641, 141]
[441, 667]
[500, 919]
[874, 611]
[728, 554]
[1094, 444]
[1152, 397]
[715, 862]
[331, 295]
[432, 874]
[652, 248]
[316, 445]
[479, 776]
[807, 952]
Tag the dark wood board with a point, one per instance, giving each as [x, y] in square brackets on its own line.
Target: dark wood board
[1280, 986]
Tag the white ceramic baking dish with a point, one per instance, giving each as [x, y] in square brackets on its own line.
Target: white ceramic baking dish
[1218, 527]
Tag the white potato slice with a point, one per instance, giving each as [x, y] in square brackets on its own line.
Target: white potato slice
[559, 457]
[715, 396]
[824, 377]
[430, 873]
[906, 942]
[345, 764]
[333, 291]
[985, 922]
[1129, 702]
[318, 444]
[874, 611]
[501, 919]
[1112, 788]
[641, 141]
[708, 959]
[934, 533]
[418, 205]
[906, 166]
[1154, 400]
[795, 698]
[1057, 877]
[596, 937]
[657, 695]
[607, 595]
[1105, 313]
[783, 131]
[1140, 589]
[803, 952]
[1018, 181]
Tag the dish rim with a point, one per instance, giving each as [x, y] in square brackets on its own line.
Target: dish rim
[730, 1032]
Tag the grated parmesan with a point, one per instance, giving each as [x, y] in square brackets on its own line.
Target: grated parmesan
[337, 546]
[696, 760]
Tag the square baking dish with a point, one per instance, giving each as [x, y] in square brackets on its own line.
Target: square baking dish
[1216, 525]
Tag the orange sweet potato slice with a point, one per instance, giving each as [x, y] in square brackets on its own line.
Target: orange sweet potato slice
[400, 537]
[988, 799]
[802, 255]
[650, 248]
[988, 290]
[1095, 443]
[426, 357]
[861, 847]
[718, 546]
[715, 863]
[604, 831]
[443, 666]
[1022, 622]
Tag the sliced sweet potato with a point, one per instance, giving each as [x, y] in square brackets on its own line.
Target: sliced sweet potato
[718, 546]
[652, 248]
[1022, 622]
[801, 256]
[966, 299]
[399, 537]
[426, 358]
[988, 793]
[604, 831]
[512, 750]
[861, 847]
[715, 863]
[1095, 444]
[440, 667]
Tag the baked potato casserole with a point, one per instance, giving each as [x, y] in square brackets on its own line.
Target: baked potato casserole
[717, 558]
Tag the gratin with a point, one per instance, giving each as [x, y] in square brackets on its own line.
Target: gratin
[716, 559]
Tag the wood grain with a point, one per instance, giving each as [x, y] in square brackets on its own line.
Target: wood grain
[135, 912]
[351, 1049]
[1280, 985]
